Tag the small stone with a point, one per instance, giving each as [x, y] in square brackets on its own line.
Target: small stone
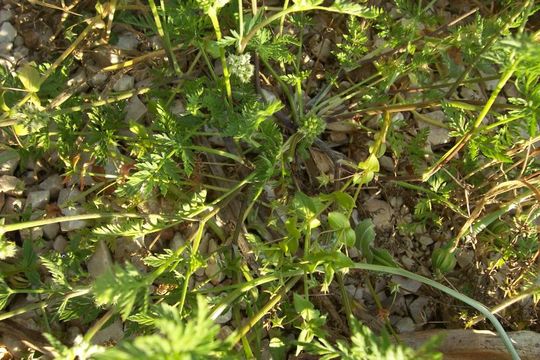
[67, 226]
[20, 53]
[9, 160]
[465, 258]
[409, 285]
[387, 163]
[38, 199]
[13, 205]
[99, 79]
[407, 262]
[420, 310]
[126, 82]
[51, 230]
[10, 185]
[224, 317]
[53, 184]
[178, 107]
[268, 96]
[405, 325]
[5, 48]
[2, 202]
[127, 247]
[425, 240]
[31, 233]
[19, 41]
[177, 241]
[321, 49]
[135, 109]
[60, 243]
[5, 15]
[437, 135]
[469, 94]
[381, 213]
[356, 292]
[127, 41]
[69, 195]
[111, 334]
[100, 261]
[7, 33]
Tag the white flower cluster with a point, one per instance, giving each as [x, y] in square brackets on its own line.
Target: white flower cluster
[240, 65]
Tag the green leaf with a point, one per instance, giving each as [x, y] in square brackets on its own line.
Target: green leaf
[348, 237]
[5, 293]
[338, 221]
[383, 257]
[30, 78]
[121, 287]
[365, 235]
[344, 200]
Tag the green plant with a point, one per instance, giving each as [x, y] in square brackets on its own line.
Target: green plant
[225, 154]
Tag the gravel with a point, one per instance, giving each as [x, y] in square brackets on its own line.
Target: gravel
[7, 33]
[10, 185]
[38, 199]
[125, 83]
[100, 261]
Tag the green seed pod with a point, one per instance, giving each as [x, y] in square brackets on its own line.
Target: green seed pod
[443, 260]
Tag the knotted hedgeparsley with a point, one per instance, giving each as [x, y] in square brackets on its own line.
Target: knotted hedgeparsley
[241, 66]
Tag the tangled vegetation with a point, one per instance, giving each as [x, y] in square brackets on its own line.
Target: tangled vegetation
[266, 127]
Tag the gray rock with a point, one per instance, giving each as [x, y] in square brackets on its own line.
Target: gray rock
[126, 82]
[2, 202]
[381, 213]
[51, 230]
[69, 195]
[321, 49]
[177, 241]
[405, 325]
[5, 48]
[178, 107]
[112, 333]
[135, 109]
[356, 292]
[20, 53]
[38, 199]
[407, 262]
[60, 243]
[224, 317]
[19, 41]
[127, 41]
[387, 163]
[13, 205]
[67, 226]
[9, 160]
[5, 15]
[465, 258]
[406, 284]
[10, 185]
[420, 310]
[7, 33]
[53, 184]
[425, 240]
[100, 261]
[437, 135]
[268, 96]
[99, 79]
[31, 233]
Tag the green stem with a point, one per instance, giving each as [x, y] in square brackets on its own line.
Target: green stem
[34, 223]
[473, 130]
[212, 13]
[274, 299]
[164, 36]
